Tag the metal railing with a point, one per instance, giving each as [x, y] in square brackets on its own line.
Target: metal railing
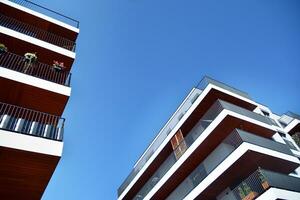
[215, 158]
[192, 136]
[35, 32]
[251, 187]
[260, 181]
[46, 11]
[30, 122]
[163, 133]
[166, 130]
[37, 69]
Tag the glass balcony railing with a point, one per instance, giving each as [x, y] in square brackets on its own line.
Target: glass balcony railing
[192, 136]
[22, 120]
[207, 80]
[17, 63]
[36, 32]
[48, 12]
[259, 182]
[226, 148]
[166, 130]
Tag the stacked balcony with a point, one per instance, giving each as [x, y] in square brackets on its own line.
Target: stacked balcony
[215, 131]
[33, 94]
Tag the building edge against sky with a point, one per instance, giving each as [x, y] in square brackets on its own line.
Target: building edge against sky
[219, 144]
[37, 51]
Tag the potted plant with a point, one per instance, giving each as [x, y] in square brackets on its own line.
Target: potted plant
[246, 193]
[29, 58]
[264, 182]
[3, 48]
[58, 66]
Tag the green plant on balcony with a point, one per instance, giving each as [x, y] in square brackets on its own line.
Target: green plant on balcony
[3, 48]
[296, 138]
[30, 59]
[263, 179]
[245, 192]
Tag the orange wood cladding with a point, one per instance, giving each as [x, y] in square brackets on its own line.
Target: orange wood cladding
[24, 175]
[27, 96]
[208, 145]
[46, 56]
[38, 22]
[196, 115]
[246, 165]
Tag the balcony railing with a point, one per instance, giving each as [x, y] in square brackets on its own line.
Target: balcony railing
[260, 181]
[193, 135]
[35, 32]
[207, 80]
[30, 122]
[226, 148]
[164, 132]
[48, 12]
[37, 69]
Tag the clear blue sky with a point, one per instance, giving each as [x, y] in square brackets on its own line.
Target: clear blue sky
[136, 61]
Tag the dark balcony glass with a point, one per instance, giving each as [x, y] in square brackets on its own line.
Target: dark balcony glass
[226, 148]
[30, 122]
[37, 69]
[192, 136]
[164, 132]
[260, 181]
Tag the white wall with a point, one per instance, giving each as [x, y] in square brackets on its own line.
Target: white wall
[30, 143]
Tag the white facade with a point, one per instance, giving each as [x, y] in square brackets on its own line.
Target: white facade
[268, 121]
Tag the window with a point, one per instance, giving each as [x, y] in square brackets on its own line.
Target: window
[178, 144]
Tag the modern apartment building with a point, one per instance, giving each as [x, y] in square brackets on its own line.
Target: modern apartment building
[37, 50]
[221, 145]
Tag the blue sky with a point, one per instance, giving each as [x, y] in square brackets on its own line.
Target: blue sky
[137, 60]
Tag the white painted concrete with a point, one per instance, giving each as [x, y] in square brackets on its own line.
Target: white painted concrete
[230, 160]
[179, 124]
[291, 125]
[40, 15]
[35, 41]
[275, 193]
[199, 141]
[33, 81]
[30, 143]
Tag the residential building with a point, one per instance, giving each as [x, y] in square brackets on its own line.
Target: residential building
[37, 50]
[221, 145]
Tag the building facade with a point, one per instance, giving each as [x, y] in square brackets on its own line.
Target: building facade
[219, 145]
[37, 50]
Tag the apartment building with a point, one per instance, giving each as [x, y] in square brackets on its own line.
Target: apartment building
[37, 50]
[221, 145]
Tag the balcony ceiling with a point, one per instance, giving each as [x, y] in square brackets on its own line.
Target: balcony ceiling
[38, 22]
[46, 56]
[24, 175]
[16, 93]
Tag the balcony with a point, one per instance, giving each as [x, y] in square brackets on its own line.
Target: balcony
[230, 151]
[36, 32]
[30, 148]
[183, 111]
[258, 183]
[40, 70]
[48, 12]
[29, 122]
[212, 139]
